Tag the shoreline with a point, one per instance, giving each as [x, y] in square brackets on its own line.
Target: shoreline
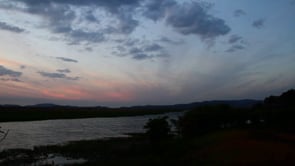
[217, 148]
[41, 115]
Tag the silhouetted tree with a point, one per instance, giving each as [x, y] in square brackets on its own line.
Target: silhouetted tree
[279, 111]
[158, 129]
[208, 118]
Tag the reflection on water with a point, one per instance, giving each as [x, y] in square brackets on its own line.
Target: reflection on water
[29, 134]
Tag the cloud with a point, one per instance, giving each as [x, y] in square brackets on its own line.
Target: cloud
[139, 49]
[7, 72]
[258, 23]
[67, 17]
[57, 75]
[235, 48]
[236, 43]
[22, 66]
[153, 47]
[111, 5]
[77, 36]
[67, 59]
[141, 56]
[234, 39]
[187, 18]
[11, 28]
[126, 23]
[155, 9]
[89, 49]
[10, 79]
[52, 75]
[88, 22]
[63, 70]
[193, 19]
[239, 12]
[170, 41]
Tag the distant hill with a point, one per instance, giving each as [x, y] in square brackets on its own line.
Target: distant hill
[9, 105]
[44, 105]
[247, 103]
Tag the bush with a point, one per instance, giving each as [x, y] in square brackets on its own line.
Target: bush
[158, 129]
[208, 118]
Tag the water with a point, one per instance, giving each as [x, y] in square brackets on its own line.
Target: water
[52, 159]
[49, 132]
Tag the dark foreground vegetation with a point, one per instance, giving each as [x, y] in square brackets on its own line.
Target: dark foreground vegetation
[227, 147]
[207, 135]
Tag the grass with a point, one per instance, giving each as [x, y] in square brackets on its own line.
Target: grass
[224, 147]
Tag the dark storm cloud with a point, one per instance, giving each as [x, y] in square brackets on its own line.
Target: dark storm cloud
[234, 39]
[67, 59]
[11, 28]
[7, 72]
[57, 75]
[258, 23]
[63, 70]
[239, 12]
[235, 48]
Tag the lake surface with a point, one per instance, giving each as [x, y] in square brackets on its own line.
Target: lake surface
[49, 132]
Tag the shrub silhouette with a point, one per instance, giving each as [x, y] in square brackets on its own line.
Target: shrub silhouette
[279, 111]
[209, 118]
[158, 128]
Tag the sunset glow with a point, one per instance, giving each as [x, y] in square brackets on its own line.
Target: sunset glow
[138, 52]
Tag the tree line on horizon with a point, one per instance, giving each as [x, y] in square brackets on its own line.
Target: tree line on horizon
[274, 113]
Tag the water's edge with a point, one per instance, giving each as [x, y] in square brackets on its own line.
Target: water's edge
[49, 132]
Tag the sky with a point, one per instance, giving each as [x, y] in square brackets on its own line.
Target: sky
[138, 52]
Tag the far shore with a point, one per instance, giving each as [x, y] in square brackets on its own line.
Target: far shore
[54, 113]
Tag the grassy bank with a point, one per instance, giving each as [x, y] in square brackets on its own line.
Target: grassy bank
[224, 147]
